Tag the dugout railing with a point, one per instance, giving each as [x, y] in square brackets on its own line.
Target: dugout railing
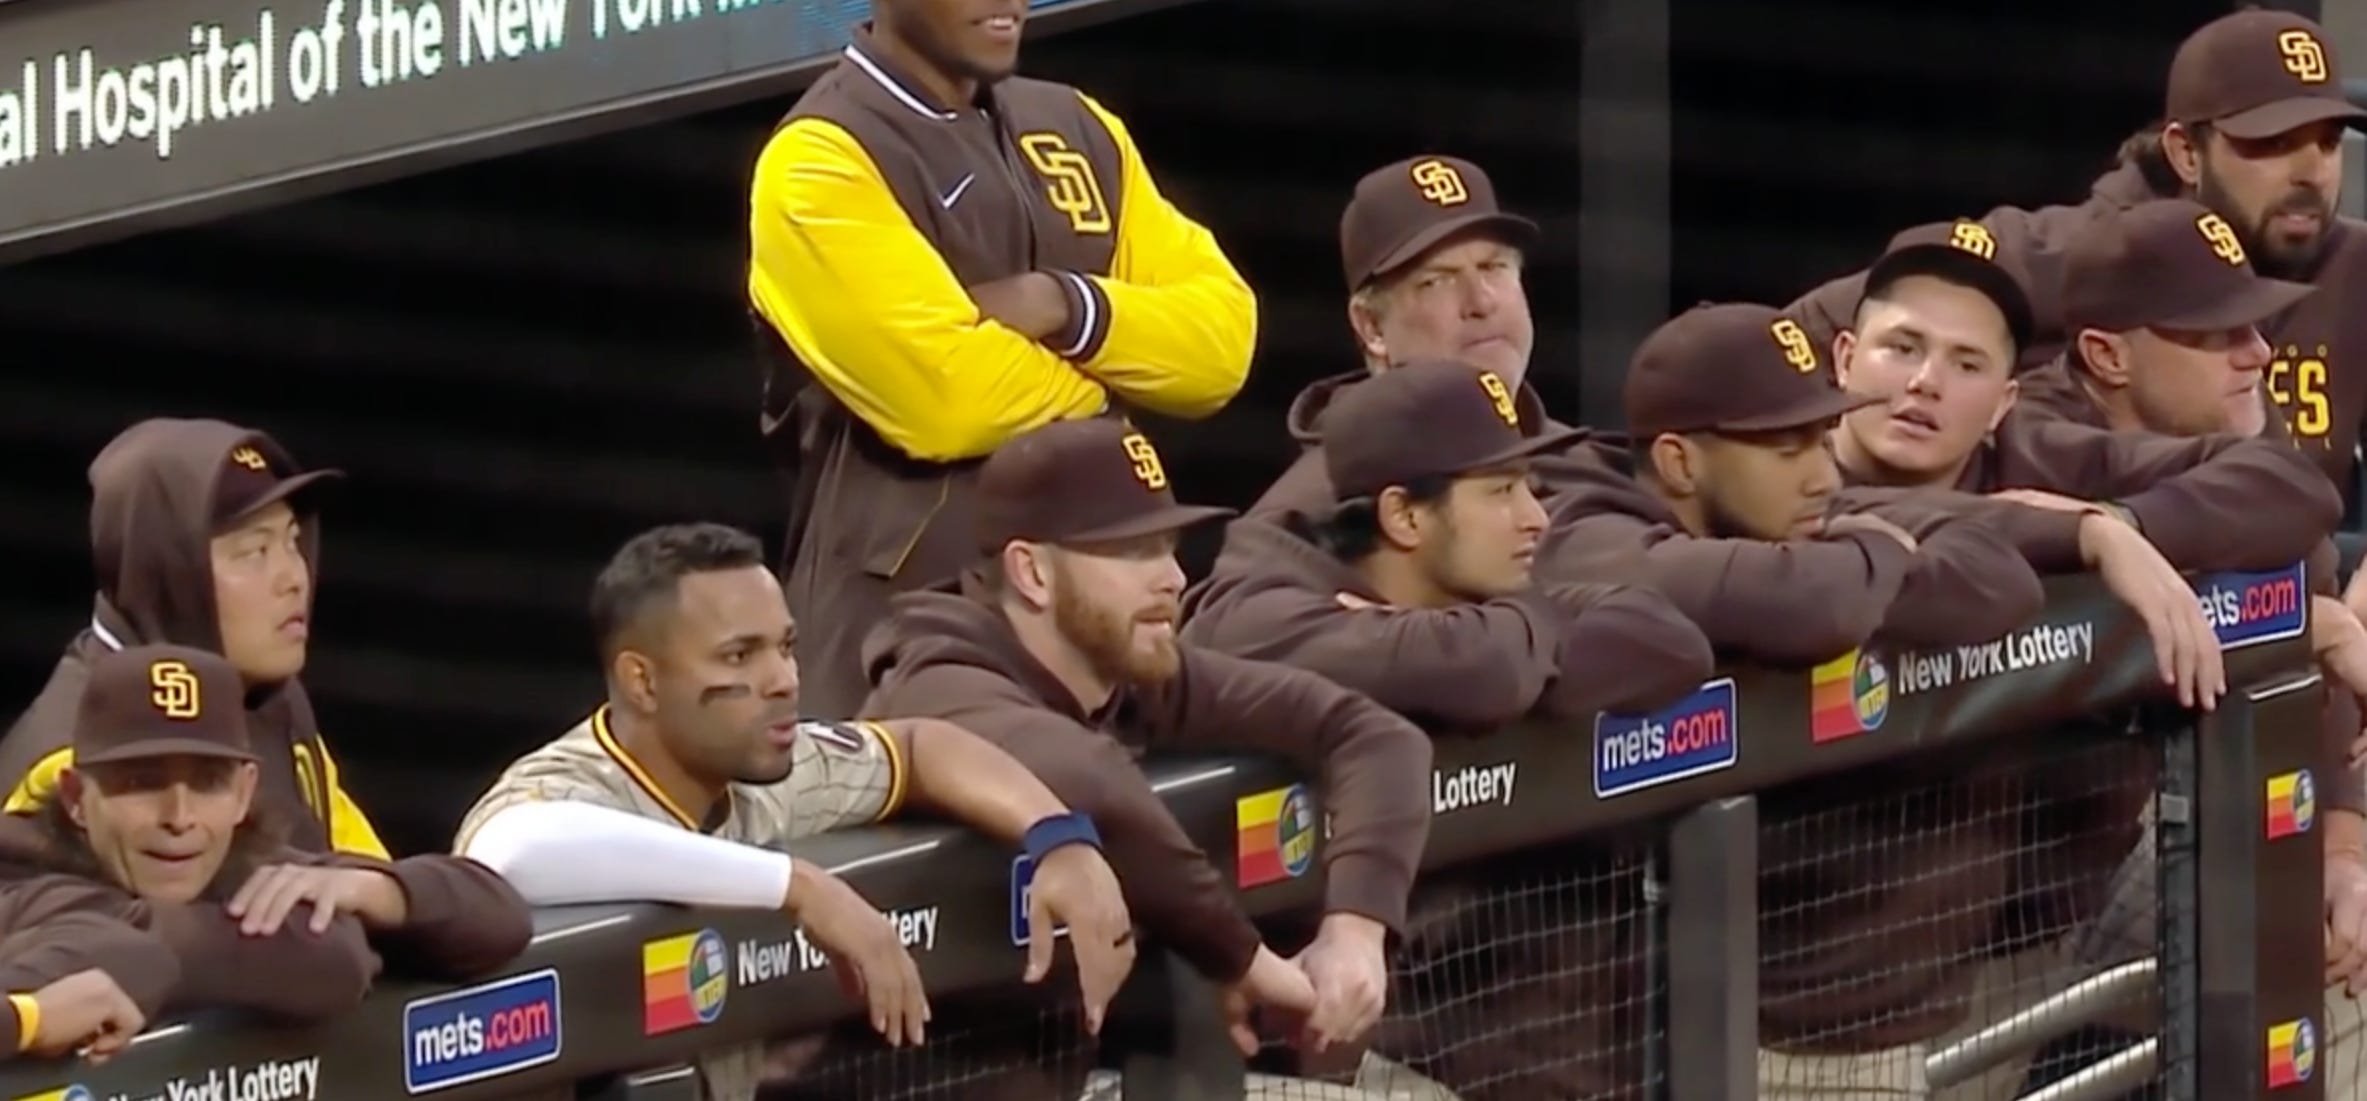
[2238, 962]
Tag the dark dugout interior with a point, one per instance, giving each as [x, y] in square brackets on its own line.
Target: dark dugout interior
[523, 361]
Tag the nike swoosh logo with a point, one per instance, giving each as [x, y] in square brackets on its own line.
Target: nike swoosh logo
[946, 201]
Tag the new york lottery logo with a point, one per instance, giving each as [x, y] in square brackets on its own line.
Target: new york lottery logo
[1698, 734]
[2246, 609]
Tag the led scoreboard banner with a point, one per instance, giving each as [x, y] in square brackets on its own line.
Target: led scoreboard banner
[117, 115]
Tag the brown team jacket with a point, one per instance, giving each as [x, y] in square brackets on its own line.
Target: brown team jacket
[2208, 503]
[2055, 391]
[1566, 650]
[464, 921]
[1306, 487]
[151, 538]
[874, 209]
[953, 655]
[1801, 601]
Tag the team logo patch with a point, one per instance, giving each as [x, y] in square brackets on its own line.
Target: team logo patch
[1499, 398]
[172, 687]
[1975, 238]
[249, 458]
[2304, 56]
[1797, 349]
[1441, 183]
[1147, 468]
[2222, 239]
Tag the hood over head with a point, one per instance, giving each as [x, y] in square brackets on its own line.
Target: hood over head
[153, 519]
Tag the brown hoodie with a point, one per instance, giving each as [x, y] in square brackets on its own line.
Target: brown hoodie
[151, 531]
[1799, 601]
[1306, 487]
[2037, 238]
[2054, 391]
[464, 921]
[953, 655]
[2208, 503]
[1564, 650]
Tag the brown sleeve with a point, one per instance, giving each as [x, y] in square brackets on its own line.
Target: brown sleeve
[1623, 648]
[2047, 539]
[1797, 602]
[1373, 766]
[1169, 884]
[326, 973]
[1969, 584]
[2208, 503]
[1472, 665]
[58, 925]
[464, 920]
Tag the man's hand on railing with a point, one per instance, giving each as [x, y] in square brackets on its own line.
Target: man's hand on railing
[265, 901]
[871, 963]
[2346, 900]
[1348, 966]
[1075, 887]
[2340, 642]
[1270, 983]
[2184, 647]
[84, 1012]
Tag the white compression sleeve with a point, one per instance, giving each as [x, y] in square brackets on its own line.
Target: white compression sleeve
[558, 853]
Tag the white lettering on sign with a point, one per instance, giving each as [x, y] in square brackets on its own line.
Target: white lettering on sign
[1471, 786]
[763, 961]
[2029, 648]
[275, 1080]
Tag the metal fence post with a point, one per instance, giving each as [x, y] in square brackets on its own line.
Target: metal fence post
[2257, 885]
[1709, 950]
[1167, 1026]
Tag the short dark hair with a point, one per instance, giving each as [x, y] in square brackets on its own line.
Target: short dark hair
[1353, 530]
[650, 567]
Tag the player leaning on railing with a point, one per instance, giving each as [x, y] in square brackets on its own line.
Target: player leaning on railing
[205, 534]
[155, 840]
[694, 781]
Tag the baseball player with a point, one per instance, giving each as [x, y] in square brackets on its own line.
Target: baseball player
[689, 783]
[156, 838]
[205, 534]
[2161, 306]
[943, 256]
[2256, 111]
[1060, 646]
[1433, 267]
[1416, 590]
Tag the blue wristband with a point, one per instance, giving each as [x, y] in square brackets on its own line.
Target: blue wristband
[1073, 828]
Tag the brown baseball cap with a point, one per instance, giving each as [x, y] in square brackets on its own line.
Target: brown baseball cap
[2169, 264]
[1966, 253]
[2257, 74]
[254, 476]
[161, 701]
[1425, 419]
[1737, 367]
[1095, 480]
[1403, 210]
